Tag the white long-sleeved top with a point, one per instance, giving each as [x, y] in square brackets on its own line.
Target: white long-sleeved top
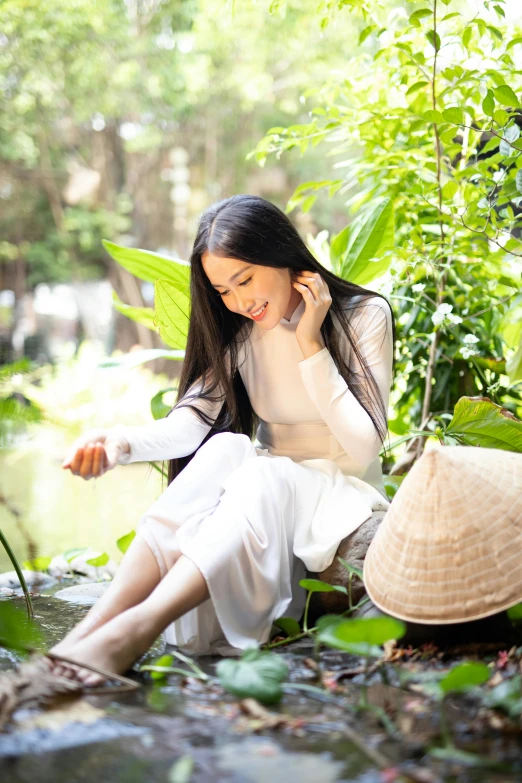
[305, 408]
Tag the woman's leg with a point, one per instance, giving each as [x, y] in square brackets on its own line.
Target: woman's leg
[136, 577]
[118, 643]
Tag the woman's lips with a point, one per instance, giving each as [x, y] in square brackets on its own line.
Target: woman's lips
[261, 314]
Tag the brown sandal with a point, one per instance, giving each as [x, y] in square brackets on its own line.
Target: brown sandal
[126, 683]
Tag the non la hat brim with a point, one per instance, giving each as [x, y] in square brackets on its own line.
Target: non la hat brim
[449, 549]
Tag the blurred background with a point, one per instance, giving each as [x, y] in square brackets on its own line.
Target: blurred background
[123, 120]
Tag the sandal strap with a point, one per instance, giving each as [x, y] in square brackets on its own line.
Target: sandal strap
[126, 683]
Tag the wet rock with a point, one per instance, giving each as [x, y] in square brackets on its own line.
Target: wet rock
[34, 579]
[86, 593]
[353, 549]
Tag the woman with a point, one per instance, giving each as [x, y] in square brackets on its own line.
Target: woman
[274, 340]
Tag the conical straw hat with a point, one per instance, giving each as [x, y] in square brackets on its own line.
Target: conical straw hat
[450, 547]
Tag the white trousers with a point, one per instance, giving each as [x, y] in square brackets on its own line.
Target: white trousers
[252, 523]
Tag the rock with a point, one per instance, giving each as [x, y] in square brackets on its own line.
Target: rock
[34, 580]
[353, 549]
[87, 593]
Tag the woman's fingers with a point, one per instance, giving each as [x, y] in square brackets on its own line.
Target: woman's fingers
[76, 462]
[86, 466]
[97, 460]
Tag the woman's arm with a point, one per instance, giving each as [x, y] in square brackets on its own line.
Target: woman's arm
[177, 435]
[346, 418]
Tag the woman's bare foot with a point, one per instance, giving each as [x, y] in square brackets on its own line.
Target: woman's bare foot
[111, 647]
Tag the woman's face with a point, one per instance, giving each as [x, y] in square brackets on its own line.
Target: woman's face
[262, 293]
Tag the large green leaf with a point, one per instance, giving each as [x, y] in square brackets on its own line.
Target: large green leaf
[359, 636]
[358, 250]
[172, 313]
[150, 266]
[142, 315]
[257, 674]
[157, 407]
[479, 422]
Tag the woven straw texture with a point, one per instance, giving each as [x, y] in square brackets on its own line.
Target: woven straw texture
[450, 547]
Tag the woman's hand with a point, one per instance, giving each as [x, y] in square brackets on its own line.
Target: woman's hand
[317, 297]
[94, 453]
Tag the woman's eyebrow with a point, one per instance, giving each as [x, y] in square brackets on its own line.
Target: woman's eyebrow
[237, 274]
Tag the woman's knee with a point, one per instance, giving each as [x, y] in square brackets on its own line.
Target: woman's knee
[229, 446]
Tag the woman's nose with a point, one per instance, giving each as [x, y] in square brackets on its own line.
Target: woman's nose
[245, 304]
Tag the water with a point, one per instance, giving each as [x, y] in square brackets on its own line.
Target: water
[60, 511]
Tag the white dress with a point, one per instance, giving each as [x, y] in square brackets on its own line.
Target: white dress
[254, 517]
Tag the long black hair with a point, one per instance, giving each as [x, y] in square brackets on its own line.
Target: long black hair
[253, 230]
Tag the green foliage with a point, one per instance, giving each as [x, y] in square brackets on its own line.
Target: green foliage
[129, 361]
[464, 677]
[101, 560]
[439, 139]
[288, 625]
[359, 636]
[142, 315]
[157, 407]
[316, 586]
[479, 422]
[124, 542]
[256, 674]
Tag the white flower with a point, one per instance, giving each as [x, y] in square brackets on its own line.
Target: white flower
[470, 338]
[437, 318]
[454, 319]
[418, 287]
[467, 352]
[444, 308]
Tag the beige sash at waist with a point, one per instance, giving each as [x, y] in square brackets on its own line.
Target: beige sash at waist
[307, 440]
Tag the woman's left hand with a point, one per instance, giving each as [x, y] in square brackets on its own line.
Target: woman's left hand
[317, 298]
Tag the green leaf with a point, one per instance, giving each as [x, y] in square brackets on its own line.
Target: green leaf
[172, 308]
[181, 771]
[515, 613]
[316, 586]
[505, 96]
[166, 662]
[434, 39]
[359, 636]
[257, 675]
[158, 408]
[488, 104]
[124, 542]
[453, 115]
[150, 266]
[353, 570]
[16, 630]
[514, 42]
[371, 235]
[511, 134]
[433, 116]
[416, 86]
[449, 189]
[287, 624]
[392, 484]
[142, 315]
[464, 676]
[129, 361]
[514, 365]
[365, 33]
[479, 422]
[466, 36]
[38, 564]
[101, 560]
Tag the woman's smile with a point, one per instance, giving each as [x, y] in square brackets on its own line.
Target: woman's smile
[259, 314]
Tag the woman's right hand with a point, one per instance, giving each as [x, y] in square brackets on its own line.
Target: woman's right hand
[94, 453]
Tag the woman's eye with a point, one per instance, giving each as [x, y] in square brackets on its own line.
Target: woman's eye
[246, 282]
